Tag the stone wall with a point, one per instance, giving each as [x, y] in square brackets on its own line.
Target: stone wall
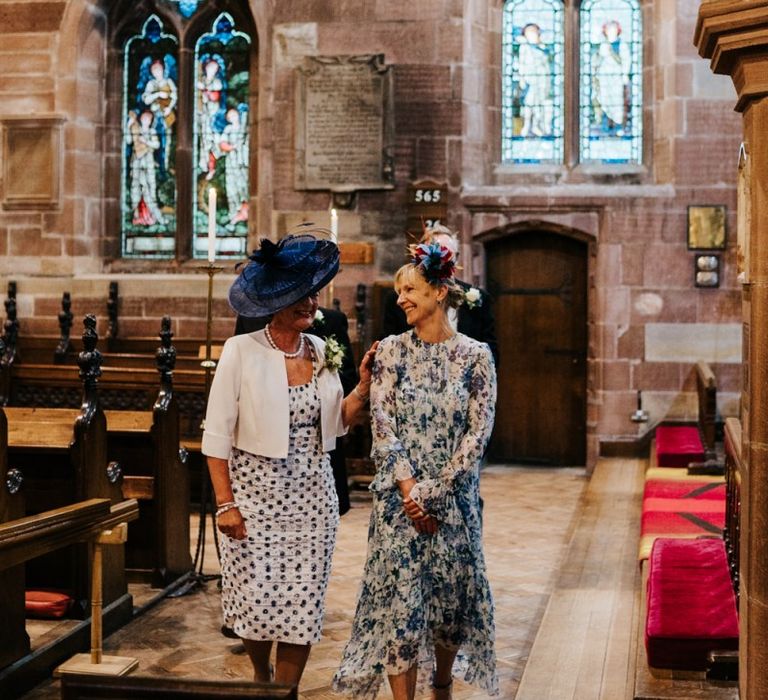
[446, 60]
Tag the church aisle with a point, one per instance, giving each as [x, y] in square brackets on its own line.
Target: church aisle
[529, 518]
[588, 630]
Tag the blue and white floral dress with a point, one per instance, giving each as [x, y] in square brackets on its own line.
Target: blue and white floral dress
[432, 407]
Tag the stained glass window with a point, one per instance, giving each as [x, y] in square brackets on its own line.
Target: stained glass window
[149, 137]
[221, 136]
[611, 82]
[533, 77]
[186, 7]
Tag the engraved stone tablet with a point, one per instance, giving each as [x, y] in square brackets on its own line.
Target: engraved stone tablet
[344, 124]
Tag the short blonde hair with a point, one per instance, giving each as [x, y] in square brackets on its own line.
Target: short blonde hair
[408, 272]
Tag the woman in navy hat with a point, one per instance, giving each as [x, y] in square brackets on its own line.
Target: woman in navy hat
[275, 409]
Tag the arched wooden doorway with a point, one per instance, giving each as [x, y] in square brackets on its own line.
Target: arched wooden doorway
[539, 284]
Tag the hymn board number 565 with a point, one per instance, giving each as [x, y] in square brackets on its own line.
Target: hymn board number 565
[427, 206]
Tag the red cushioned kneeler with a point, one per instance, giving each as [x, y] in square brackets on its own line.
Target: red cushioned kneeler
[691, 604]
[46, 604]
[672, 516]
[677, 445]
[690, 490]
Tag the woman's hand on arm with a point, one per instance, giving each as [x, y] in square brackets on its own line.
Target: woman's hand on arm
[230, 522]
[358, 397]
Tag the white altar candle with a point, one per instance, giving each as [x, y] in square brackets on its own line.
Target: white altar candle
[212, 225]
[334, 226]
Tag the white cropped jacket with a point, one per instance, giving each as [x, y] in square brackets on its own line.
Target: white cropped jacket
[248, 402]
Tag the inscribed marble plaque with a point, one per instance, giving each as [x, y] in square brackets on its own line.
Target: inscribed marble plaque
[344, 124]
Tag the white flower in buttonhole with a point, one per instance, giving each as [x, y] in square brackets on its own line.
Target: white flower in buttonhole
[334, 354]
[319, 317]
[472, 297]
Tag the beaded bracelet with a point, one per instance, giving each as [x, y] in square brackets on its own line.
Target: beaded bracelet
[224, 507]
[357, 393]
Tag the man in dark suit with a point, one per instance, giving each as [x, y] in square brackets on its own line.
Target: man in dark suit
[328, 322]
[473, 318]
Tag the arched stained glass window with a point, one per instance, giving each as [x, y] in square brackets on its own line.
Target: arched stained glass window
[533, 81]
[220, 152]
[150, 100]
[611, 82]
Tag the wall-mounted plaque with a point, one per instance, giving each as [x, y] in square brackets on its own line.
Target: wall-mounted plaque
[31, 160]
[344, 124]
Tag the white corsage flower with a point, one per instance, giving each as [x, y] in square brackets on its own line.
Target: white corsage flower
[473, 298]
[319, 317]
[334, 354]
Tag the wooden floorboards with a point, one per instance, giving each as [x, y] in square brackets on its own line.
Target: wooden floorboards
[586, 639]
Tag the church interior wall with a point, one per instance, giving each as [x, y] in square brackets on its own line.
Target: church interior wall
[446, 60]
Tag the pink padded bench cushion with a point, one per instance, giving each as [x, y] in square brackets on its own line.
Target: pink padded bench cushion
[676, 445]
[691, 604]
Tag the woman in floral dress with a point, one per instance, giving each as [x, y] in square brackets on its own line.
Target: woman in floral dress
[425, 610]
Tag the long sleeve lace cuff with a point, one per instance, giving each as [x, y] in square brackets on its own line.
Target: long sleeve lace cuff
[430, 495]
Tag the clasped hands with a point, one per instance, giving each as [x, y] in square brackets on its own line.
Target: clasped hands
[423, 522]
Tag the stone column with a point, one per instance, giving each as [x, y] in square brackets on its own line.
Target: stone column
[733, 34]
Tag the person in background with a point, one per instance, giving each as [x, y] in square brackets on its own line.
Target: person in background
[473, 317]
[328, 323]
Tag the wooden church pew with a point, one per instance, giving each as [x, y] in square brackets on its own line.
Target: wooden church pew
[33, 375]
[64, 461]
[24, 540]
[145, 444]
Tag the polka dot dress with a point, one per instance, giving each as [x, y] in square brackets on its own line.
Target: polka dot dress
[274, 581]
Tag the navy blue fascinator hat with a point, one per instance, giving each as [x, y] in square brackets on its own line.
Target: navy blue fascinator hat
[280, 274]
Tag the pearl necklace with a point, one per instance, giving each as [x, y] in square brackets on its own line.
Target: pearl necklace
[288, 355]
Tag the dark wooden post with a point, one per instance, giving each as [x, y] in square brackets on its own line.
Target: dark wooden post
[96, 477]
[14, 641]
[11, 325]
[171, 500]
[112, 310]
[65, 326]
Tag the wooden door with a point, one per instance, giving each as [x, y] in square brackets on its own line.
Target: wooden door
[539, 284]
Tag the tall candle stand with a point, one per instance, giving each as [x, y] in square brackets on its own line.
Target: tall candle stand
[197, 576]
[208, 364]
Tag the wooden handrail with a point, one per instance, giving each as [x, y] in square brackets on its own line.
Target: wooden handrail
[35, 535]
[734, 473]
[706, 374]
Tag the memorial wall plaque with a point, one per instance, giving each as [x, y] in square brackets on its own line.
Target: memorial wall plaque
[344, 124]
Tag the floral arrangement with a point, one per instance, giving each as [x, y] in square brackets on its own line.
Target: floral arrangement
[319, 318]
[473, 298]
[334, 354]
[437, 262]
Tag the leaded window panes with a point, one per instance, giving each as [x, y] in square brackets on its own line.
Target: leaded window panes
[186, 7]
[533, 81]
[184, 121]
[611, 82]
[150, 99]
[221, 137]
